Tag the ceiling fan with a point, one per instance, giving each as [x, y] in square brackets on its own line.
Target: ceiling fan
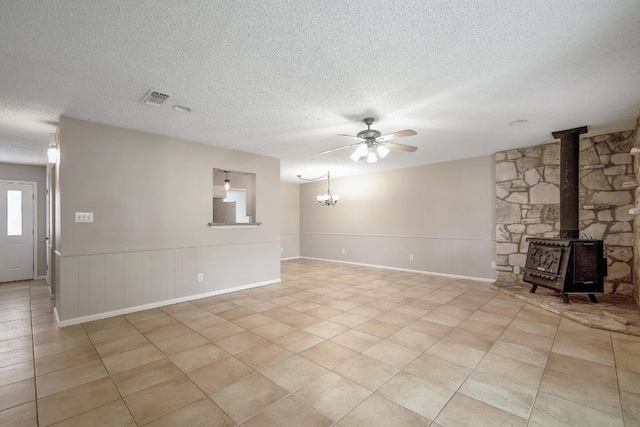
[373, 146]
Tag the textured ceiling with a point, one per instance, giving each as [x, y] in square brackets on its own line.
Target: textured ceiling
[282, 78]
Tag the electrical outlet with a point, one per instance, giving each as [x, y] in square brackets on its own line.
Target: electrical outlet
[84, 216]
[516, 269]
[343, 251]
[410, 257]
[493, 264]
[200, 277]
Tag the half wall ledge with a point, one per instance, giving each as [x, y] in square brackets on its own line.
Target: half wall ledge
[234, 225]
[613, 313]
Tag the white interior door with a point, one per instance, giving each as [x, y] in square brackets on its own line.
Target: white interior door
[16, 232]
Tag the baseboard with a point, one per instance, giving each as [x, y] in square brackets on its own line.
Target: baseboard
[40, 278]
[119, 312]
[431, 273]
[290, 258]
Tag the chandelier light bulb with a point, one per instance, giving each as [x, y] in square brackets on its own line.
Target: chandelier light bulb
[227, 184]
[52, 154]
[360, 153]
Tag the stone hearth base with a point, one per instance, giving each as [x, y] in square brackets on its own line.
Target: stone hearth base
[613, 312]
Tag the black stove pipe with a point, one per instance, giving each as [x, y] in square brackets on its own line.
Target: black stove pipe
[569, 181]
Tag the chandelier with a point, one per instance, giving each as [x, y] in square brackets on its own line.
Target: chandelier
[327, 199]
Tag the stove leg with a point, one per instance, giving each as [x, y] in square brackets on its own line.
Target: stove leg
[565, 298]
[533, 289]
[593, 298]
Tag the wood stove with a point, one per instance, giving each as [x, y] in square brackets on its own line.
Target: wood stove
[568, 264]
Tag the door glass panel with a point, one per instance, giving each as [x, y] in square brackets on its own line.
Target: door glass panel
[14, 213]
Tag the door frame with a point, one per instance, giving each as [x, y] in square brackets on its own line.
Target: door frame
[34, 184]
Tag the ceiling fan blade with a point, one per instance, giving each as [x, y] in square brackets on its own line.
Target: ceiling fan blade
[340, 148]
[394, 146]
[352, 137]
[396, 135]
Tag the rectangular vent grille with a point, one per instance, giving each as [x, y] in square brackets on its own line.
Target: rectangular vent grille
[154, 98]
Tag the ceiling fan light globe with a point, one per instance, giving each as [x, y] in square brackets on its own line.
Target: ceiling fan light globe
[52, 154]
[356, 157]
[382, 151]
[372, 158]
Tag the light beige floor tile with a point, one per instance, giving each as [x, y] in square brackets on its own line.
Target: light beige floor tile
[300, 320]
[67, 404]
[628, 362]
[626, 346]
[235, 313]
[463, 411]
[523, 353]
[167, 332]
[368, 372]
[181, 343]
[273, 330]
[288, 412]
[155, 323]
[240, 342]
[68, 378]
[293, 373]
[202, 413]
[108, 323]
[471, 339]
[501, 392]
[141, 316]
[583, 392]
[15, 344]
[629, 381]
[413, 339]
[392, 354]
[112, 333]
[416, 394]
[15, 373]
[120, 345]
[325, 329]
[436, 330]
[591, 371]
[144, 376]
[355, 340]
[439, 371]
[553, 411]
[630, 406]
[298, 341]
[253, 321]
[586, 352]
[60, 346]
[264, 355]
[8, 334]
[191, 314]
[248, 396]
[204, 322]
[378, 328]
[491, 318]
[24, 415]
[511, 370]
[328, 354]
[349, 320]
[457, 353]
[332, 395]
[114, 414]
[14, 357]
[156, 401]
[17, 393]
[130, 359]
[220, 374]
[378, 411]
[325, 313]
[220, 331]
[195, 358]
[488, 329]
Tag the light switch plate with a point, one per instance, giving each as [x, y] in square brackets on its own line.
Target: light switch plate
[84, 216]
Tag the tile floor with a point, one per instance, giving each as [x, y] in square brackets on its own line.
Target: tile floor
[332, 345]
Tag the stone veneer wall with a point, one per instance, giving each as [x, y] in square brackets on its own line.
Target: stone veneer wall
[528, 197]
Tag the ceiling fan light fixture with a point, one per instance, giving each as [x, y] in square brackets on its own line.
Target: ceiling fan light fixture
[360, 153]
[372, 158]
[382, 151]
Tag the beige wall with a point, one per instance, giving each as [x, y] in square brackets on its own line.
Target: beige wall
[38, 174]
[289, 220]
[152, 200]
[443, 214]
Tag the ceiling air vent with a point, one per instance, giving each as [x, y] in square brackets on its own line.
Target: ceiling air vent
[154, 98]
